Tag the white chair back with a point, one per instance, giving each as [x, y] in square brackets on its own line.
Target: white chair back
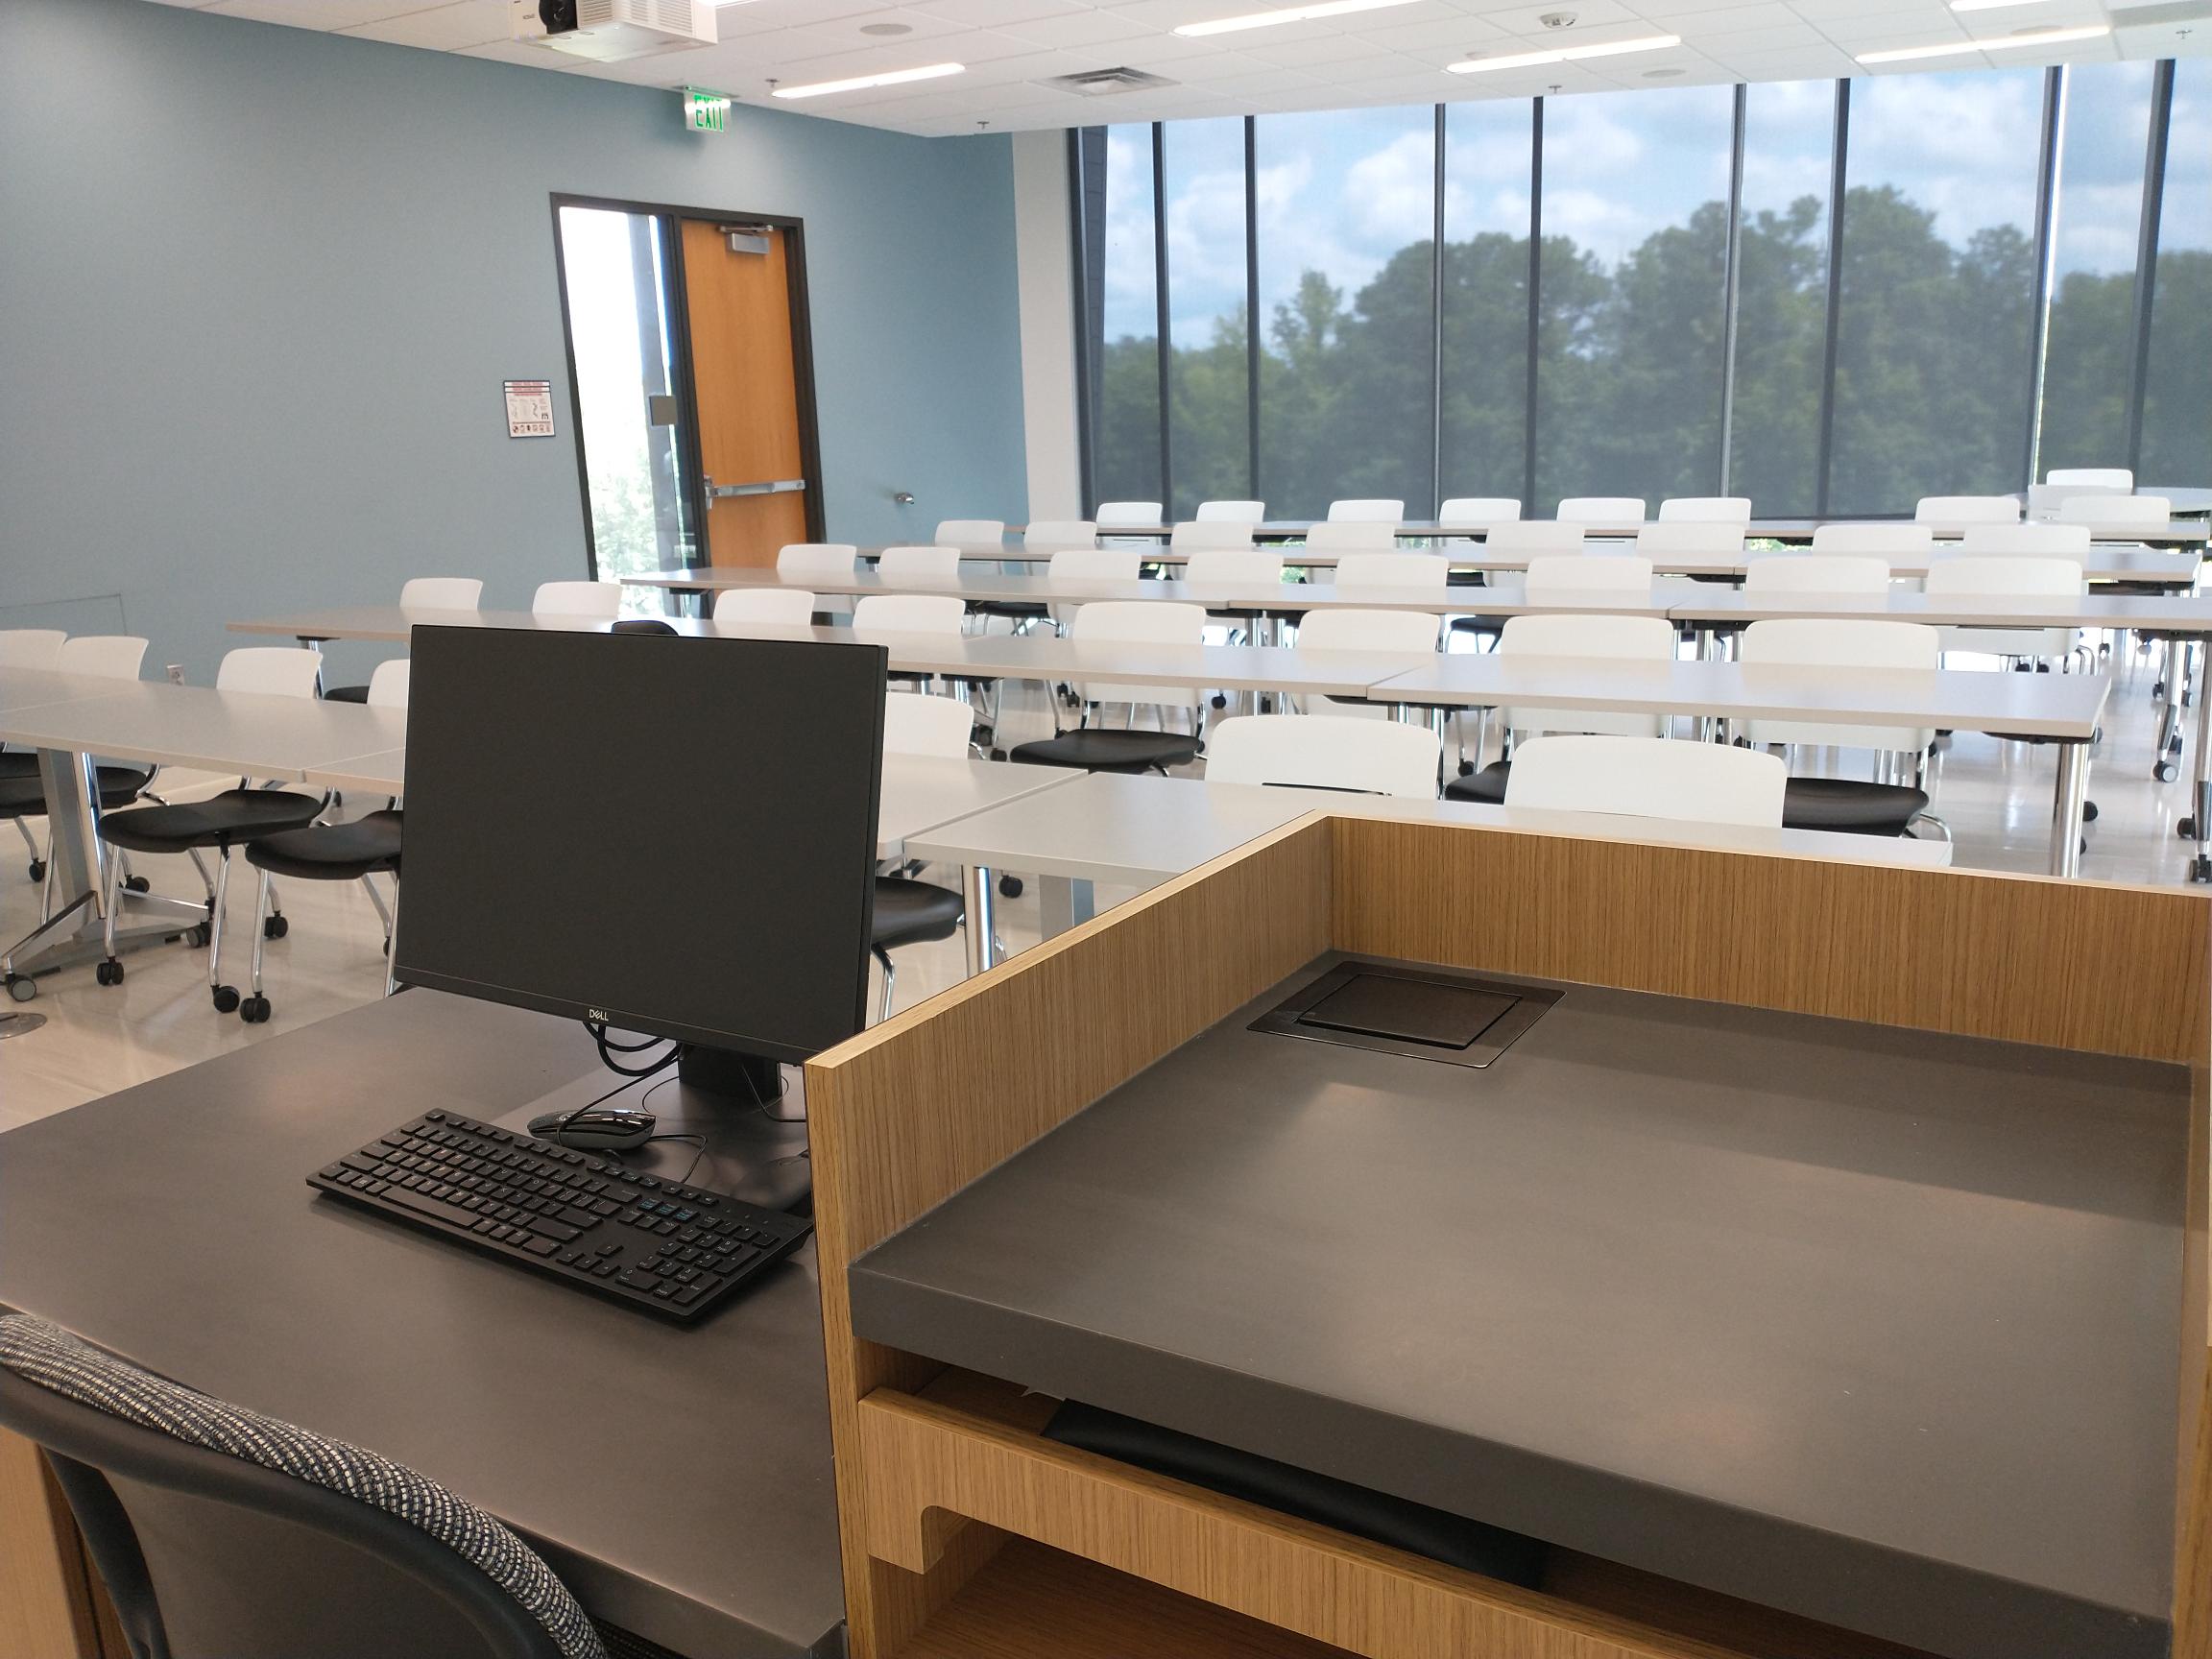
[441, 593]
[1705, 510]
[29, 647]
[2148, 512]
[1230, 512]
[110, 656]
[1719, 541]
[1352, 536]
[274, 670]
[1124, 515]
[1841, 643]
[1530, 537]
[1324, 751]
[1058, 534]
[940, 564]
[1600, 510]
[1196, 534]
[1645, 777]
[915, 724]
[817, 559]
[1369, 511]
[598, 599]
[1349, 628]
[1417, 572]
[1880, 541]
[2093, 477]
[388, 685]
[1640, 639]
[1967, 510]
[1093, 565]
[1590, 572]
[970, 532]
[1478, 510]
[765, 607]
[2022, 577]
[1146, 621]
[909, 613]
[2011, 541]
[1816, 573]
[1246, 565]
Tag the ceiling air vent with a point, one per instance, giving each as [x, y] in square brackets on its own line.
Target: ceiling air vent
[1102, 82]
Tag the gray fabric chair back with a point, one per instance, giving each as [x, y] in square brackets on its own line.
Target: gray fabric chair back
[220, 1531]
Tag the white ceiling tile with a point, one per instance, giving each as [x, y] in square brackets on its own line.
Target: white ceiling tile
[995, 13]
[1080, 28]
[315, 14]
[442, 28]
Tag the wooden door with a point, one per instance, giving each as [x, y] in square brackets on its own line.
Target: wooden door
[744, 375]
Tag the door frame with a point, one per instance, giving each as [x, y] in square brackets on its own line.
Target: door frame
[679, 331]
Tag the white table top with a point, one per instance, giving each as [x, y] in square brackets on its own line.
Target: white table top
[2064, 705]
[1138, 830]
[2183, 614]
[22, 688]
[248, 733]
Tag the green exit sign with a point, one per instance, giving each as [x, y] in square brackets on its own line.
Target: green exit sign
[706, 112]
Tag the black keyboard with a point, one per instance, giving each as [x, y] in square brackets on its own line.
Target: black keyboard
[672, 1249]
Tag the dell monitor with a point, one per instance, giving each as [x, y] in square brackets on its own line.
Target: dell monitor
[667, 836]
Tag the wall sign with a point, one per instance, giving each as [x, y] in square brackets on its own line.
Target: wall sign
[706, 112]
[529, 408]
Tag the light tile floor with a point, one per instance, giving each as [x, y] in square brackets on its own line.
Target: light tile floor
[1996, 796]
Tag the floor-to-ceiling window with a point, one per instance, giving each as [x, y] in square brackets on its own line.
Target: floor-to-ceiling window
[1345, 237]
[1830, 296]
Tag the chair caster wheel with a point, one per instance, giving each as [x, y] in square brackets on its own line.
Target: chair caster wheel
[2174, 744]
[1010, 886]
[22, 987]
[225, 1000]
[35, 869]
[1466, 768]
[138, 884]
[197, 935]
[997, 753]
[2157, 689]
[1219, 701]
[109, 973]
[254, 1010]
[275, 926]
[2165, 772]
[2185, 829]
[2088, 812]
[2042, 668]
[2200, 868]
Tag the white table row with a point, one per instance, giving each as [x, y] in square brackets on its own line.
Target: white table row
[1136, 831]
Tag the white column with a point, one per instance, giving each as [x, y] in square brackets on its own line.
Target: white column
[1045, 242]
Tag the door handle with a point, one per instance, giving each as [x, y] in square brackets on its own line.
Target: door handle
[772, 487]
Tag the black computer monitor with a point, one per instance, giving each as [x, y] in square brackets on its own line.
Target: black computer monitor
[667, 836]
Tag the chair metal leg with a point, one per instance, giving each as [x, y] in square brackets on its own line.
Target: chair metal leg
[392, 940]
[225, 997]
[383, 911]
[206, 880]
[890, 982]
[30, 840]
[260, 926]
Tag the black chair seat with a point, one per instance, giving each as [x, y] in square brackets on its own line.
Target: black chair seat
[18, 763]
[237, 815]
[1109, 748]
[1487, 784]
[912, 912]
[368, 846]
[347, 694]
[1852, 804]
[25, 797]
[1017, 608]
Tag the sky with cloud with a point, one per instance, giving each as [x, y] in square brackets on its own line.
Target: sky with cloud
[1340, 192]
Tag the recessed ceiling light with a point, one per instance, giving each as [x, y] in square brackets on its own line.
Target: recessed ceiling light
[1959, 48]
[1663, 74]
[860, 83]
[886, 28]
[1565, 54]
[1991, 5]
[1287, 15]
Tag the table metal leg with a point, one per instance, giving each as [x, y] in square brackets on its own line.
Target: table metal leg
[2070, 791]
[979, 887]
[1065, 902]
[2199, 824]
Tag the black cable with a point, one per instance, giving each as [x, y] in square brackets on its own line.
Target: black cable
[608, 1049]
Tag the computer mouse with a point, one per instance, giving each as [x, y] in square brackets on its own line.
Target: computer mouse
[596, 1128]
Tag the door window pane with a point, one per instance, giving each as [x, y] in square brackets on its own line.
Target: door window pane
[2178, 409]
[1486, 299]
[1207, 434]
[1934, 323]
[1629, 343]
[1782, 296]
[1122, 290]
[2105, 122]
[615, 272]
[1346, 221]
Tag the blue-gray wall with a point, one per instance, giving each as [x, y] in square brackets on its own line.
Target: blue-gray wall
[259, 286]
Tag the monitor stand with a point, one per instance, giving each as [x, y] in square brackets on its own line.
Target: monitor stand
[752, 1121]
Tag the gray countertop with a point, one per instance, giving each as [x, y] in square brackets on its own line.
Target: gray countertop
[1877, 1325]
[171, 1223]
